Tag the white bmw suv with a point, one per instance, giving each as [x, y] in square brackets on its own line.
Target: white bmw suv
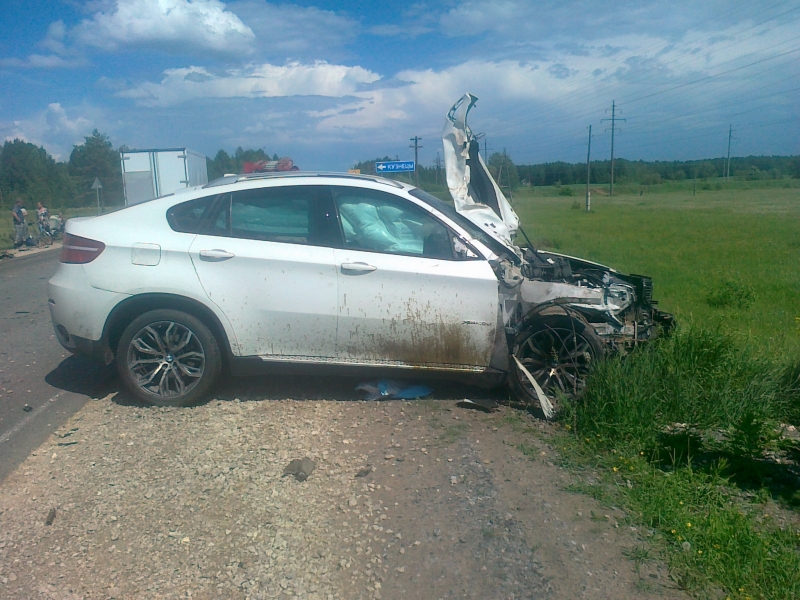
[349, 270]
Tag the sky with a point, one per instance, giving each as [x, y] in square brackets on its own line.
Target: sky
[331, 83]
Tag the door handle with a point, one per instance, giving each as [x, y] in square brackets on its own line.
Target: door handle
[357, 267]
[215, 255]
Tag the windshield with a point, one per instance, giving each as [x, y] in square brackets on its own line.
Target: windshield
[473, 230]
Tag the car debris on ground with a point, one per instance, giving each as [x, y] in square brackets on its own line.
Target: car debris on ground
[300, 468]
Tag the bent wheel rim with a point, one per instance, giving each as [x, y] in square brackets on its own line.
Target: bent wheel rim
[166, 359]
[558, 358]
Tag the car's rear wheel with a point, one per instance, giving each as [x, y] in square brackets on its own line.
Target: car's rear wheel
[168, 358]
[558, 351]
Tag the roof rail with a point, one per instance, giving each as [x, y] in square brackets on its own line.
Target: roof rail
[229, 179]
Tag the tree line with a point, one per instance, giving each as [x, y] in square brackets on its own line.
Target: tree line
[30, 173]
[509, 175]
[652, 172]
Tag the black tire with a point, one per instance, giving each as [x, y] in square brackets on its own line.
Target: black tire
[168, 358]
[559, 352]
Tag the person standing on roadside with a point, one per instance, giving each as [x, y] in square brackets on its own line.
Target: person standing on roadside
[43, 221]
[20, 227]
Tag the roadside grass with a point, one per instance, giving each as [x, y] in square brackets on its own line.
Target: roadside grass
[716, 543]
[691, 435]
[687, 434]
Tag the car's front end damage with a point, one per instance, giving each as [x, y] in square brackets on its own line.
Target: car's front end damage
[560, 313]
[620, 308]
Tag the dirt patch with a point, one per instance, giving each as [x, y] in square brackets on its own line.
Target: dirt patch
[412, 500]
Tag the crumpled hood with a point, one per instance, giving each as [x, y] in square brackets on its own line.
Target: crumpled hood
[475, 193]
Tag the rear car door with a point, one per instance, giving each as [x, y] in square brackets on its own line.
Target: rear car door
[406, 298]
[265, 262]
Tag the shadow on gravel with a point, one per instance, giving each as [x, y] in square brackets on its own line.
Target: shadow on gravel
[83, 376]
[339, 388]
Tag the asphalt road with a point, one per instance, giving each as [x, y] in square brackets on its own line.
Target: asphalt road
[35, 371]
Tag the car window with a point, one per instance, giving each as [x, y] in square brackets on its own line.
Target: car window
[190, 217]
[272, 214]
[380, 222]
[475, 231]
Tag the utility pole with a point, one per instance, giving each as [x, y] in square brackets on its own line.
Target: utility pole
[508, 176]
[589, 172]
[478, 137]
[438, 166]
[728, 164]
[416, 148]
[613, 120]
[503, 165]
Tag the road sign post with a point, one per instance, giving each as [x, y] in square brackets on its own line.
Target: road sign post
[395, 166]
[97, 186]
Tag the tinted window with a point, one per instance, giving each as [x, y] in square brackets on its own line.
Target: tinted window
[190, 217]
[272, 214]
[380, 222]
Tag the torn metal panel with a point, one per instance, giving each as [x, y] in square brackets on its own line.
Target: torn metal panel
[475, 193]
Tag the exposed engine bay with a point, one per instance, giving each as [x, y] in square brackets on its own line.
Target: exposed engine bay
[619, 307]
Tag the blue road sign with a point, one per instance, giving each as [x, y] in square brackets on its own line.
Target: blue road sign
[395, 166]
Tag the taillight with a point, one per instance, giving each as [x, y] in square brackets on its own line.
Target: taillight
[78, 250]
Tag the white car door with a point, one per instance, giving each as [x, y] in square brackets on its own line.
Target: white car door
[405, 297]
[264, 261]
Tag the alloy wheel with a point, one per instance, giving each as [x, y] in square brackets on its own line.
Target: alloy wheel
[166, 359]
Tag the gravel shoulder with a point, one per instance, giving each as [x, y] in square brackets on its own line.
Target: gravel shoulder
[413, 500]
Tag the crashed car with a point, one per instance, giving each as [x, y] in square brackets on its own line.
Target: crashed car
[561, 313]
[258, 272]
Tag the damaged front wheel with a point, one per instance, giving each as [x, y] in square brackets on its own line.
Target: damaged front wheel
[558, 351]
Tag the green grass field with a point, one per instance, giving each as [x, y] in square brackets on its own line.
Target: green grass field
[687, 434]
[743, 243]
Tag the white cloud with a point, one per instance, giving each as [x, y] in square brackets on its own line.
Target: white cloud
[236, 30]
[260, 81]
[42, 61]
[291, 31]
[568, 87]
[54, 40]
[52, 128]
[178, 25]
[474, 17]
[58, 121]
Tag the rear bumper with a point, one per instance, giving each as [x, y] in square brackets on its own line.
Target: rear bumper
[97, 350]
[79, 312]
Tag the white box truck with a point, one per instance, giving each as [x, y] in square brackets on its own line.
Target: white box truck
[148, 174]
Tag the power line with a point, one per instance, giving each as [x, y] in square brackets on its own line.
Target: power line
[656, 70]
[689, 53]
[634, 98]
